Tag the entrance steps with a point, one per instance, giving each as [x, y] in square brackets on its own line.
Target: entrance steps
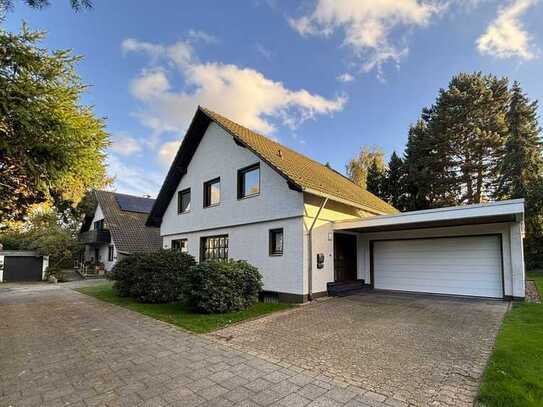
[338, 289]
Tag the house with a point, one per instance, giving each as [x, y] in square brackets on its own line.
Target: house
[116, 228]
[232, 193]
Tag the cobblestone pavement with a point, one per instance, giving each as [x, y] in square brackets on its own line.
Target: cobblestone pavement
[424, 350]
[62, 348]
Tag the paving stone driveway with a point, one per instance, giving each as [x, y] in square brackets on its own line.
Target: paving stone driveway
[425, 350]
[60, 348]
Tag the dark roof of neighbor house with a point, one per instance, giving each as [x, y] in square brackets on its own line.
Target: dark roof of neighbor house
[125, 217]
[301, 173]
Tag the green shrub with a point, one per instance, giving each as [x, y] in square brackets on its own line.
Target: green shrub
[122, 273]
[156, 277]
[222, 286]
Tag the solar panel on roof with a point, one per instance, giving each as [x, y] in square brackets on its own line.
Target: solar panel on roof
[134, 203]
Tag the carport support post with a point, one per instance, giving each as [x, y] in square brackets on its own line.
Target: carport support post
[310, 251]
[517, 260]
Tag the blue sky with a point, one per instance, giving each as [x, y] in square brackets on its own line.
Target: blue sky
[321, 76]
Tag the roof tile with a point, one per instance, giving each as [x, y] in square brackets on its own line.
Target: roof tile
[301, 170]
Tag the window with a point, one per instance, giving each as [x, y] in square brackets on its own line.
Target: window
[180, 244]
[212, 192]
[99, 224]
[249, 181]
[276, 242]
[214, 248]
[110, 252]
[183, 201]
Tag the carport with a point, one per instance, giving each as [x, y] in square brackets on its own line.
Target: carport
[472, 250]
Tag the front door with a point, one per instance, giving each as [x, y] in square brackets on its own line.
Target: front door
[344, 257]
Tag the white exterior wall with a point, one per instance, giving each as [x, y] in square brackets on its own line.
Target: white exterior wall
[246, 221]
[219, 156]
[323, 238]
[513, 263]
[103, 250]
[250, 242]
[98, 215]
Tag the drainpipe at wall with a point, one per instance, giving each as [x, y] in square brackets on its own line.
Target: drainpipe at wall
[310, 250]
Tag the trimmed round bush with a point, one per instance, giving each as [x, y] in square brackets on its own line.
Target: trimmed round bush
[156, 277]
[222, 286]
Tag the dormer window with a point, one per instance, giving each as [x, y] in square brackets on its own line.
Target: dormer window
[249, 181]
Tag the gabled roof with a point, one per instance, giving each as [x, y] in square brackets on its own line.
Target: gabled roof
[301, 172]
[127, 227]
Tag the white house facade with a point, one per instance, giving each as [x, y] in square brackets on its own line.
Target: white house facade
[231, 193]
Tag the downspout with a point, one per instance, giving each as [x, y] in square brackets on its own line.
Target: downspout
[310, 250]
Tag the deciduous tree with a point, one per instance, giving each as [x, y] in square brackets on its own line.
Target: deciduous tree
[358, 167]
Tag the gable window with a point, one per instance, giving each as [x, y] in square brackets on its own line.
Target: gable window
[212, 192]
[276, 242]
[99, 224]
[249, 181]
[183, 201]
[110, 252]
[180, 244]
[214, 248]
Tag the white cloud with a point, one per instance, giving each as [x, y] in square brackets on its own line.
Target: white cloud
[151, 83]
[153, 50]
[198, 35]
[345, 77]
[125, 145]
[168, 151]
[369, 27]
[505, 37]
[180, 53]
[243, 94]
[133, 179]
[262, 50]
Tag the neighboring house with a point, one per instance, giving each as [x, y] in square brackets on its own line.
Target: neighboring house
[232, 193]
[118, 228]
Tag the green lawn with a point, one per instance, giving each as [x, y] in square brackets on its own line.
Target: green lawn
[514, 375]
[178, 314]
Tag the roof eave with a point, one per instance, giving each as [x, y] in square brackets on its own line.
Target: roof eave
[344, 201]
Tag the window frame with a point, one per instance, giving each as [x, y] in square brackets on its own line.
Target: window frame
[203, 241]
[110, 253]
[184, 249]
[206, 195]
[271, 241]
[180, 201]
[241, 180]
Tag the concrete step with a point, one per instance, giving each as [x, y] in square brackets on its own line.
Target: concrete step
[346, 287]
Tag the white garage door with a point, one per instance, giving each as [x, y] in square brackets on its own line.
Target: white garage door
[460, 266]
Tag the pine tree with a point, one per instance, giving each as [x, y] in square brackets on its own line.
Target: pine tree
[392, 189]
[522, 162]
[417, 180]
[470, 118]
[521, 169]
[374, 181]
[428, 182]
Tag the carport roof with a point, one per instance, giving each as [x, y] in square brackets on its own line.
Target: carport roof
[494, 212]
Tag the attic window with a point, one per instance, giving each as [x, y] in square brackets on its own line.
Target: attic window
[279, 153]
